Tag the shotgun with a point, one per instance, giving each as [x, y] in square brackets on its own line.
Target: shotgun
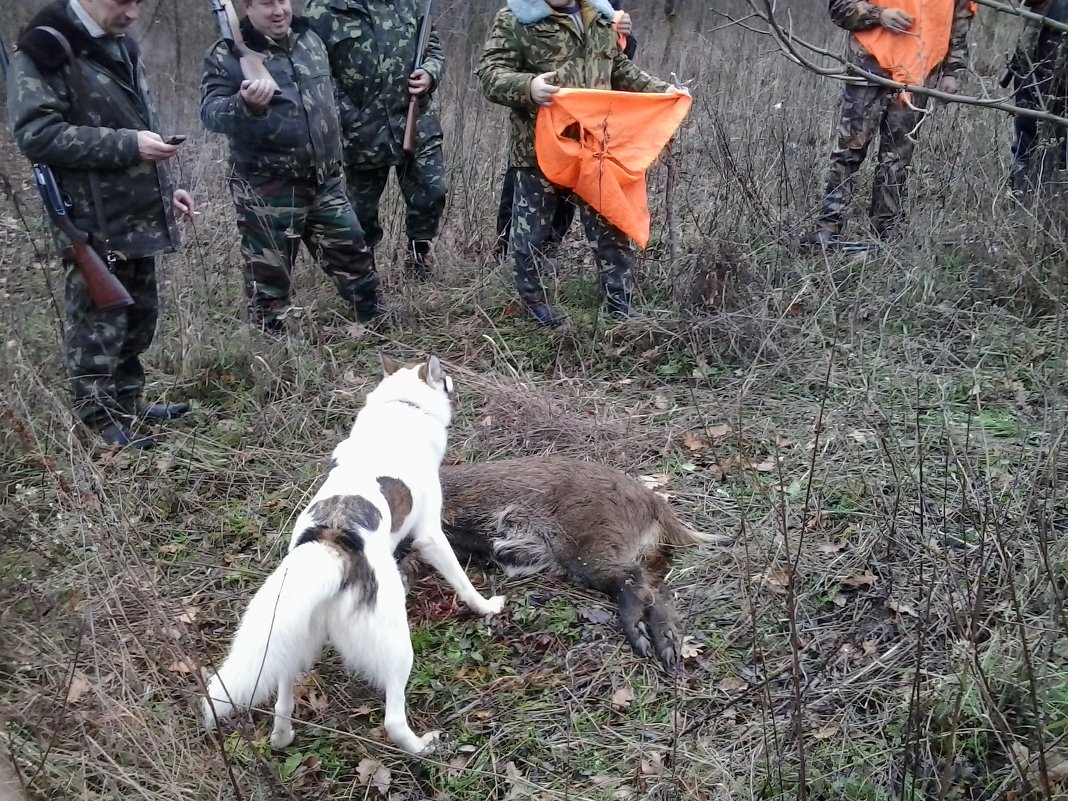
[105, 290]
[408, 143]
[252, 63]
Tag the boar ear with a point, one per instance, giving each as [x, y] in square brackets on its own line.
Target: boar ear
[389, 366]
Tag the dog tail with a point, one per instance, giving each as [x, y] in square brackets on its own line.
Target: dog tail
[676, 533]
[281, 632]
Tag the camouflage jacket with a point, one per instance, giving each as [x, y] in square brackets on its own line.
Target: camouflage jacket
[137, 195]
[529, 38]
[372, 49]
[1036, 43]
[859, 15]
[298, 137]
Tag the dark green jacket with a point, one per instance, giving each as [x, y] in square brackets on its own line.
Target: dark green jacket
[372, 49]
[529, 38]
[137, 194]
[298, 136]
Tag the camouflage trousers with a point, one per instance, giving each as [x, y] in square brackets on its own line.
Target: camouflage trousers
[562, 217]
[535, 202]
[867, 110]
[103, 348]
[274, 216]
[423, 184]
[1042, 86]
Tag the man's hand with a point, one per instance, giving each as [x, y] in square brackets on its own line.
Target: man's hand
[541, 90]
[895, 19]
[184, 205]
[678, 90]
[949, 84]
[257, 94]
[419, 83]
[152, 147]
[624, 26]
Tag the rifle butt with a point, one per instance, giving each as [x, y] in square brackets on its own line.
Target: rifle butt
[105, 290]
[408, 143]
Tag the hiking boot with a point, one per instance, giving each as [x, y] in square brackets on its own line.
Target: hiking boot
[369, 308]
[619, 306]
[119, 435]
[545, 314]
[419, 263]
[162, 411]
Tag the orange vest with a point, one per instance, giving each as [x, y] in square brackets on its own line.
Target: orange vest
[599, 143]
[911, 57]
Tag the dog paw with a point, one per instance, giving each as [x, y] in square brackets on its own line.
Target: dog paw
[428, 743]
[493, 606]
[281, 737]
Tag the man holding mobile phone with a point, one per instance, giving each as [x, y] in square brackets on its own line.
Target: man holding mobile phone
[92, 121]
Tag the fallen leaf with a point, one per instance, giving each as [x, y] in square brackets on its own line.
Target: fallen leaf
[458, 763]
[655, 480]
[901, 608]
[184, 665]
[693, 441]
[732, 684]
[79, 686]
[720, 431]
[865, 579]
[831, 548]
[366, 769]
[660, 402]
[653, 766]
[689, 649]
[172, 547]
[860, 436]
[621, 698]
[767, 466]
[382, 779]
[595, 614]
[826, 732]
[776, 581]
[188, 616]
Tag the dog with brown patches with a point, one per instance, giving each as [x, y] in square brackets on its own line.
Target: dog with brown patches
[339, 583]
[587, 522]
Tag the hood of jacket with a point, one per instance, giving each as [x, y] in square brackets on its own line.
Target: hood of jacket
[42, 48]
[530, 11]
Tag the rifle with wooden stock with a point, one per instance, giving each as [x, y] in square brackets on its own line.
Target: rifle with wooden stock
[105, 290]
[408, 143]
[252, 63]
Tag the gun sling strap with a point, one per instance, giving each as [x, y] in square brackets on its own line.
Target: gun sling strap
[77, 90]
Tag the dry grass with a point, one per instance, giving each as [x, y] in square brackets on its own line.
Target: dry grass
[884, 437]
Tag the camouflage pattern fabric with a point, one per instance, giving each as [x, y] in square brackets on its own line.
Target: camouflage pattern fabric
[372, 49]
[529, 38]
[103, 348]
[865, 111]
[859, 15]
[562, 217]
[275, 215]
[137, 195]
[533, 207]
[299, 135]
[423, 184]
[1040, 81]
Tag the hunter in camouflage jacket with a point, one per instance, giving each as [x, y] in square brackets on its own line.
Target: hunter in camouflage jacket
[298, 137]
[528, 38]
[372, 50]
[137, 194]
[860, 15]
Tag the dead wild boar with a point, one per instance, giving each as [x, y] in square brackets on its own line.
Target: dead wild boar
[585, 521]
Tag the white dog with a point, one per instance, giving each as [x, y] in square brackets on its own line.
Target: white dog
[339, 581]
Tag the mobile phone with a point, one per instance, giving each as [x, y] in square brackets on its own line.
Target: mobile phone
[177, 139]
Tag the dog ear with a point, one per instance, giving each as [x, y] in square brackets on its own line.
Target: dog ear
[435, 371]
[389, 366]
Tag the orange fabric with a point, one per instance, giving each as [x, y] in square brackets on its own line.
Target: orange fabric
[599, 144]
[911, 57]
[615, 24]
